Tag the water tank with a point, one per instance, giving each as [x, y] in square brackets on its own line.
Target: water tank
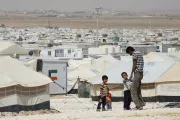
[96, 51]
[89, 50]
[79, 53]
[171, 50]
[104, 50]
[111, 49]
[117, 49]
[101, 49]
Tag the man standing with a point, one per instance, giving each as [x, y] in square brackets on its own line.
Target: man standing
[137, 71]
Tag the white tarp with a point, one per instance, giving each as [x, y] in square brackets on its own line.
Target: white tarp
[152, 71]
[18, 73]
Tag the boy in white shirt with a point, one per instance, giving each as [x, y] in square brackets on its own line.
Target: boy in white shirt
[127, 91]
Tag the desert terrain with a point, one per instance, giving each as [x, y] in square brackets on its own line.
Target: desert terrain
[90, 23]
[73, 108]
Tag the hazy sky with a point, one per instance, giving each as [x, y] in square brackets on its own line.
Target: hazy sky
[72, 5]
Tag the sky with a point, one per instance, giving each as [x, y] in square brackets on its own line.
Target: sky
[79, 5]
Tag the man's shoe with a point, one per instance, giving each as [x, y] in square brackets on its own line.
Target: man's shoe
[137, 108]
[98, 110]
[140, 108]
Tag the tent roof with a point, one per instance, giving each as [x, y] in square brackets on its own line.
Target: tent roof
[152, 71]
[77, 63]
[9, 48]
[172, 75]
[155, 56]
[107, 58]
[96, 66]
[82, 72]
[17, 73]
[91, 68]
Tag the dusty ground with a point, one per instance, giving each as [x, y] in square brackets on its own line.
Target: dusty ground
[73, 108]
[118, 22]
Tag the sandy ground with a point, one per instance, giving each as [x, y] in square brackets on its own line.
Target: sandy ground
[118, 22]
[73, 108]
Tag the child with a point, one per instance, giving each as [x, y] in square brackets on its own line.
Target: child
[109, 101]
[103, 93]
[127, 93]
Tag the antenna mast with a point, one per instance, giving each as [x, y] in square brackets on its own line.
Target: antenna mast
[97, 23]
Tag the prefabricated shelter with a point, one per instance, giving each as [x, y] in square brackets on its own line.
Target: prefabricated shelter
[9, 49]
[144, 49]
[68, 53]
[152, 72]
[22, 88]
[57, 71]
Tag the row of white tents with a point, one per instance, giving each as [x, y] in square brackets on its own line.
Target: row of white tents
[22, 88]
[161, 81]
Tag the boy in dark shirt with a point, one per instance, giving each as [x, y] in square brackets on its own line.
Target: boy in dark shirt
[127, 91]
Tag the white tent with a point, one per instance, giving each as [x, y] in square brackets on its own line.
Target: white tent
[168, 85]
[9, 48]
[88, 69]
[150, 73]
[83, 73]
[22, 87]
[159, 74]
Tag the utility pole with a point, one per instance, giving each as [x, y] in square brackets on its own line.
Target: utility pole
[97, 23]
[49, 23]
[38, 49]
